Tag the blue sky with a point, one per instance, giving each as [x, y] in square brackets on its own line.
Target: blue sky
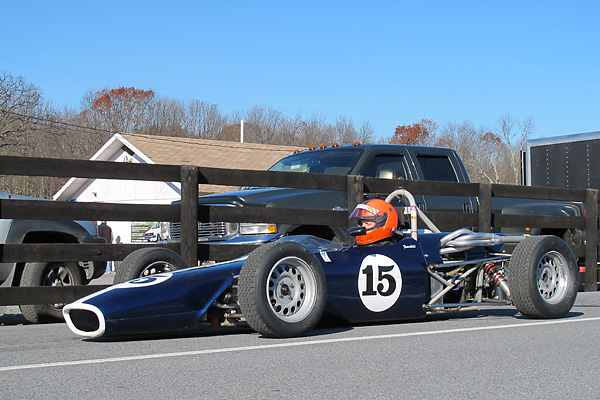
[387, 62]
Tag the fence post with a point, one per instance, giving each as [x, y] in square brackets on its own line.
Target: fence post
[189, 214]
[484, 211]
[355, 190]
[591, 238]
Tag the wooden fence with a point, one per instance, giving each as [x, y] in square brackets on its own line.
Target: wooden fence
[189, 213]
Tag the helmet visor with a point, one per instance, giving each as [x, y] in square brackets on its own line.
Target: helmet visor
[368, 216]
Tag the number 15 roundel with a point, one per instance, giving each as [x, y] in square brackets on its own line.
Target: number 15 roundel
[379, 282]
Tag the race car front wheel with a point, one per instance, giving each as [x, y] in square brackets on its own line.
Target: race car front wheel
[543, 277]
[148, 261]
[282, 290]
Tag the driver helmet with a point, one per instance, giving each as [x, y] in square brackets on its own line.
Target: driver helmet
[378, 217]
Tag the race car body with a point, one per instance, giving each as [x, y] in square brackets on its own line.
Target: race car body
[284, 288]
[177, 301]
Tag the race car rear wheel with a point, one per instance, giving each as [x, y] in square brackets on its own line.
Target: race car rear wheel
[543, 277]
[282, 290]
[148, 261]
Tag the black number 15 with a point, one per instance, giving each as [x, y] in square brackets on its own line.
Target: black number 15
[370, 291]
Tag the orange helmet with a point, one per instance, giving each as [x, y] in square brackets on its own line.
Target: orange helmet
[379, 217]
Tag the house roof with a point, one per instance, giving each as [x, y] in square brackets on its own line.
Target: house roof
[182, 151]
[208, 153]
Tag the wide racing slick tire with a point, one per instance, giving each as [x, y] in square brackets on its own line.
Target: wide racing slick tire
[543, 277]
[282, 290]
[148, 261]
[49, 274]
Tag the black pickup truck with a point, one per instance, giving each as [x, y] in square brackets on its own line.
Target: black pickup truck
[369, 160]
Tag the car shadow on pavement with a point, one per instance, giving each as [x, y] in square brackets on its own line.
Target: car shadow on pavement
[221, 331]
[13, 320]
[504, 311]
[175, 335]
[491, 312]
[12, 316]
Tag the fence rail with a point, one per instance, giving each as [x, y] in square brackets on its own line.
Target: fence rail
[189, 212]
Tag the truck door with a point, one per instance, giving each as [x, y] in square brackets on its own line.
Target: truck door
[444, 168]
[390, 165]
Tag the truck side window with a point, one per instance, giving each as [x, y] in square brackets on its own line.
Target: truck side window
[383, 162]
[437, 168]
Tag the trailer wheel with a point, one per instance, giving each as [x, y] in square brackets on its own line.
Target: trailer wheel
[49, 274]
[148, 261]
[543, 277]
[282, 290]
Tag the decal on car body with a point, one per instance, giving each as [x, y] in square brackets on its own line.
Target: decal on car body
[325, 256]
[146, 281]
[379, 282]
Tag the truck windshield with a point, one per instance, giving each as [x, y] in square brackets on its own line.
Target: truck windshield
[334, 161]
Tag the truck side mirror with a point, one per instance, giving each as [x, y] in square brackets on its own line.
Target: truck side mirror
[387, 174]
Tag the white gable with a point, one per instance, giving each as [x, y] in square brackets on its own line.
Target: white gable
[118, 149]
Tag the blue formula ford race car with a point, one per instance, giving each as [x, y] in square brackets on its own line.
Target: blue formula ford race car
[286, 287]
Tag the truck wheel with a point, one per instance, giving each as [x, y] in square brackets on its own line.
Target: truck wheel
[282, 290]
[148, 261]
[569, 237]
[543, 277]
[49, 274]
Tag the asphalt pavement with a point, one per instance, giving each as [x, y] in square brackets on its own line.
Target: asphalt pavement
[491, 353]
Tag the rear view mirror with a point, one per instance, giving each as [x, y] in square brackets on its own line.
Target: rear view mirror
[357, 231]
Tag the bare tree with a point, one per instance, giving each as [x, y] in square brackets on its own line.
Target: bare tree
[263, 124]
[345, 132]
[366, 133]
[514, 135]
[204, 120]
[21, 105]
[482, 151]
[167, 117]
[82, 139]
[28, 127]
[491, 156]
[308, 132]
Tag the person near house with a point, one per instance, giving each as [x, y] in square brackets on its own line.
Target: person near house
[105, 231]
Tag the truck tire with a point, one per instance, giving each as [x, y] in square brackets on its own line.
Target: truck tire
[282, 290]
[49, 274]
[148, 261]
[543, 277]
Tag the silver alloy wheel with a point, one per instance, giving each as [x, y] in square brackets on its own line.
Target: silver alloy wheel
[291, 289]
[543, 277]
[552, 273]
[157, 267]
[58, 275]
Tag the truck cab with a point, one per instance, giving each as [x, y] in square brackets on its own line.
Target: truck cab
[369, 160]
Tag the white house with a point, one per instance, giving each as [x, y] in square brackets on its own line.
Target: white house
[151, 149]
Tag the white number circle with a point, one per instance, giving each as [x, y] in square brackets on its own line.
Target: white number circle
[379, 282]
